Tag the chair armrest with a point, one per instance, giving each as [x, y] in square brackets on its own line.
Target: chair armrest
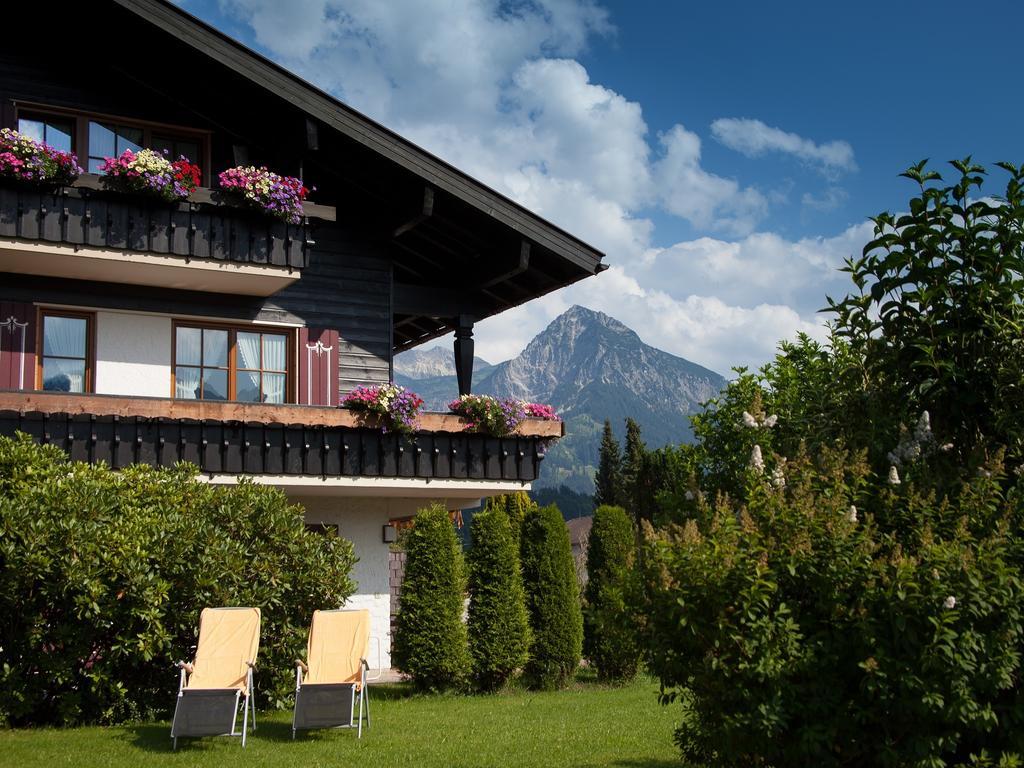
[301, 665]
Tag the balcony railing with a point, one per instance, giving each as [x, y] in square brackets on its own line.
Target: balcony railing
[85, 214]
[257, 439]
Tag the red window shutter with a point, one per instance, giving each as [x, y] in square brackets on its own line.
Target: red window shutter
[17, 345]
[318, 366]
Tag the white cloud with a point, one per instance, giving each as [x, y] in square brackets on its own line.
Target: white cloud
[703, 198]
[493, 87]
[760, 268]
[829, 200]
[754, 138]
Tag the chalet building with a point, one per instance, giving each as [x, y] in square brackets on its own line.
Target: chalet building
[136, 330]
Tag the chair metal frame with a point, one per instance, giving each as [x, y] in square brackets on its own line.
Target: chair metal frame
[363, 694]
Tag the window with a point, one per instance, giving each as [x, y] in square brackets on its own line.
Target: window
[57, 131]
[110, 140]
[95, 137]
[247, 365]
[64, 360]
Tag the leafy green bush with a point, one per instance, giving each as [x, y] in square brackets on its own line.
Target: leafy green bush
[797, 630]
[864, 607]
[609, 634]
[103, 575]
[552, 599]
[430, 637]
[498, 628]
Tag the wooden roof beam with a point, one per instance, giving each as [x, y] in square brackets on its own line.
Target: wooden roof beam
[425, 213]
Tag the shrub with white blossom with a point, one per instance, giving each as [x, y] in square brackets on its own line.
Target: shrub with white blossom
[838, 575]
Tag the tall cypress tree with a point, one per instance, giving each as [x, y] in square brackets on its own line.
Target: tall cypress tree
[632, 470]
[499, 632]
[514, 506]
[608, 480]
[552, 599]
[609, 638]
[430, 638]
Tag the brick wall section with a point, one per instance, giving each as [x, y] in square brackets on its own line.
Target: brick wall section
[396, 572]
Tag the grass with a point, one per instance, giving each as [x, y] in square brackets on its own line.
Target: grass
[586, 725]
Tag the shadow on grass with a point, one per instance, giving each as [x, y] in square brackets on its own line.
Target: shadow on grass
[156, 737]
[653, 763]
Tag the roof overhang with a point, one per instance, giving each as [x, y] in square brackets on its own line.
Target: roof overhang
[459, 247]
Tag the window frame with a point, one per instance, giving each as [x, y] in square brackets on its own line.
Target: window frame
[233, 329]
[89, 386]
[82, 118]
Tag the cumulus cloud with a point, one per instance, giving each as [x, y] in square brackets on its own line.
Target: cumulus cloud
[754, 138]
[703, 198]
[495, 88]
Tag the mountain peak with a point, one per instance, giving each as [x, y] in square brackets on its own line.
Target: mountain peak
[429, 363]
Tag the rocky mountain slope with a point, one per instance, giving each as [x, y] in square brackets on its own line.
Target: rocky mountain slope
[590, 367]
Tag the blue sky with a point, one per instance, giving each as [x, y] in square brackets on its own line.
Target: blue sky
[724, 155]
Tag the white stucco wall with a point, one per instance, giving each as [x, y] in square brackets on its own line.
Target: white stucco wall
[361, 521]
[133, 354]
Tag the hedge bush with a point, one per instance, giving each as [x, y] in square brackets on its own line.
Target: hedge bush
[498, 627]
[430, 636]
[103, 575]
[609, 633]
[803, 627]
[552, 599]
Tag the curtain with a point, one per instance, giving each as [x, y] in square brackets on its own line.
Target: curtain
[274, 348]
[248, 357]
[64, 336]
[273, 387]
[186, 383]
[188, 343]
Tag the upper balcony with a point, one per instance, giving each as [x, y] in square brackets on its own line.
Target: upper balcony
[88, 233]
[296, 444]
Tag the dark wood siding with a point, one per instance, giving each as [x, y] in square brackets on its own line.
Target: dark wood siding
[347, 288]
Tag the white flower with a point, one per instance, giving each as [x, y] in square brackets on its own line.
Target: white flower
[946, 447]
[778, 477]
[950, 603]
[749, 420]
[851, 515]
[689, 495]
[894, 476]
[924, 426]
[771, 421]
[756, 460]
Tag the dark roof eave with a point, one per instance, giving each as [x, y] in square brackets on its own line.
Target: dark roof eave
[334, 113]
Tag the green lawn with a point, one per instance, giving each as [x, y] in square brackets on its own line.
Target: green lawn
[588, 725]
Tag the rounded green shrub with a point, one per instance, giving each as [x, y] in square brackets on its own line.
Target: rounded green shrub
[103, 575]
[609, 633]
[498, 628]
[552, 599]
[430, 636]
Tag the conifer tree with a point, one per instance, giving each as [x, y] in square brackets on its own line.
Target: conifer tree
[608, 480]
[498, 627]
[632, 469]
[552, 599]
[514, 506]
[609, 639]
[430, 638]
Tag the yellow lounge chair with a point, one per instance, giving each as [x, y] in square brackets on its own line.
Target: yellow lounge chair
[333, 677]
[220, 677]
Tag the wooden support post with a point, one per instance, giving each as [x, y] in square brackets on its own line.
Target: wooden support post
[464, 353]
